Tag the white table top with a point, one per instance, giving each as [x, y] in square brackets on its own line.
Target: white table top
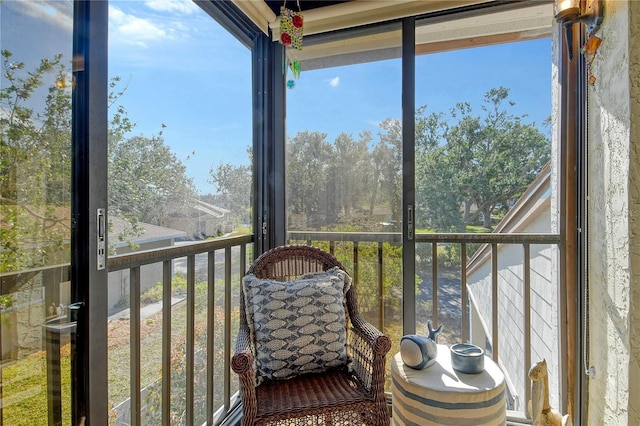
[441, 377]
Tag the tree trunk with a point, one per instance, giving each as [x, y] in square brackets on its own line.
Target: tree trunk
[467, 214]
[486, 213]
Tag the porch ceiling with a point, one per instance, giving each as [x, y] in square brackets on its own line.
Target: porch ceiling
[491, 22]
[324, 16]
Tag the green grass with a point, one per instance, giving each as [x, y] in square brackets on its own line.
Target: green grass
[24, 390]
[477, 229]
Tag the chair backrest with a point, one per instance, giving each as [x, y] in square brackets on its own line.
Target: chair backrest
[286, 263]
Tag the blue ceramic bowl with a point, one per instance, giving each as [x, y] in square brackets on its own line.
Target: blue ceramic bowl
[467, 358]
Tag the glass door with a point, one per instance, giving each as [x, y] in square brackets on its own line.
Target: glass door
[179, 172]
[344, 161]
[484, 166]
[36, 329]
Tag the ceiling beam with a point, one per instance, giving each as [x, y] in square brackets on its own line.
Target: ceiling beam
[258, 12]
[433, 35]
[347, 15]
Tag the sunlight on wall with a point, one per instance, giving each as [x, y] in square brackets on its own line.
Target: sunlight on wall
[614, 177]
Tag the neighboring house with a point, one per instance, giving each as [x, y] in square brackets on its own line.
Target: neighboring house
[151, 237]
[202, 221]
[530, 214]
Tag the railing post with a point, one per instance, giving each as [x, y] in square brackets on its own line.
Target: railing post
[54, 379]
[527, 322]
[463, 292]
[434, 283]
[135, 405]
[227, 328]
[190, 343]
[380, 275]
[167, 270]
[355, 264]
[211, 328]
[494, 302]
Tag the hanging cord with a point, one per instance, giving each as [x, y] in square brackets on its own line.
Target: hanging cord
[589, 370]
[284, 4]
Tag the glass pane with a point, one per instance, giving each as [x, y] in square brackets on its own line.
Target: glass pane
[179, 172]
[35, 170]
[483, 151]
[344, 163]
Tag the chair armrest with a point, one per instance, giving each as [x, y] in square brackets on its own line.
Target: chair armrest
[242, 361]
[242, 364]
[369, 348]
[380, 342]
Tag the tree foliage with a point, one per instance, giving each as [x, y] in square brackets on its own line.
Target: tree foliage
[467, 166]
[147, 182]
[34, 162]
[481, 161]
[234, 185]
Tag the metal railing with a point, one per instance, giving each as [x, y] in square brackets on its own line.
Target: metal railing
[486, 244]
[133, 262]
[232, 255]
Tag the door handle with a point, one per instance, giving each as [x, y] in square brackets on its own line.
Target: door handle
[410, 227]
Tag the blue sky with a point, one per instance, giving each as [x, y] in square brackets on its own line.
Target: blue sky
[183, 70]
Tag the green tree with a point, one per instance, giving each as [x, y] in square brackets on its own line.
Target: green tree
[349, 175]
[387, 166]
[35, 163]
[147, 182]
[438, 200]
[483, 161]
[308, 156]
[234, 186]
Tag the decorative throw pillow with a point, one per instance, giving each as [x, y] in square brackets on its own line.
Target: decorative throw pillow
[298, 326]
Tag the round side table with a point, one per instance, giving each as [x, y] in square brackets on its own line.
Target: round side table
[440, 395]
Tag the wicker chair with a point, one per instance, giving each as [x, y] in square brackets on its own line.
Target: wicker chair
[330, 398]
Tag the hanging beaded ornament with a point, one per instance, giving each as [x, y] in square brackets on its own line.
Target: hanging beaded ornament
[295, 68]
[291, 27]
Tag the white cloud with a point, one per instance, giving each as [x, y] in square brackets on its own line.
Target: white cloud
[334, 82]
[60, 13]
[129, 29]
[180, 6]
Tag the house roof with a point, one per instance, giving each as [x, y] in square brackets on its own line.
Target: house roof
[150, 233]
[531, 204]
[210, 209]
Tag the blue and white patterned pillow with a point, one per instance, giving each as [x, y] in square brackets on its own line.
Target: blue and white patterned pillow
[298, 326]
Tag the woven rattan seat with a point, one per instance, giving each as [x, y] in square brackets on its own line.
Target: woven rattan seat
[336, 397]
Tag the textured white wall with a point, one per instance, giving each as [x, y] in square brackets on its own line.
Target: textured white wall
[614, 205]
[634, 203]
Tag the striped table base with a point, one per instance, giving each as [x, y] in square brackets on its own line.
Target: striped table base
[440, 395]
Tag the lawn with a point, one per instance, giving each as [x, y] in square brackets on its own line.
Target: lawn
[24, 389]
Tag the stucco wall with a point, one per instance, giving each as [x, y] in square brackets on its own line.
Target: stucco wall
[614, 202]
[634, 305]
